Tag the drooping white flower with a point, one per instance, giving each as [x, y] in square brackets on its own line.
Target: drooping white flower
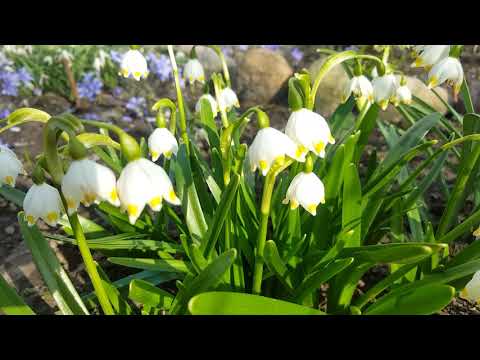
[309, 131]
[428, 55]
[162, 142]
[211, 100]
[88, 182]
[384, 88]
[271, 145]
[194, 71]
[134, 64]
[361, 88]
[43, 201]
[227, 99]
[143, 182]
[471, 291]
[403, 95]
[447, 70]
[306, 190]
[10, 166]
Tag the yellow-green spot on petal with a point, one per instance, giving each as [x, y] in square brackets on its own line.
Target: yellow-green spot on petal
[300, 150]
[9, 180]
[418, 62]
[319, 147]
[52, 217]
[171, 194]
[70, 203]
[331, 139]
[312, 209]
[30, 220]
[293, 205]
[433, 82]
[168, 154]
[137, 74]
[132, 210]
[322, 200]
[262, 164]
[125, 72]
[114, 195]
[155, 202]
[154, 154]
[89, 198]
[280, 159]
[383, 104]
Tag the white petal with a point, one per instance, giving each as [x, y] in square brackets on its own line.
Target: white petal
[162, 142]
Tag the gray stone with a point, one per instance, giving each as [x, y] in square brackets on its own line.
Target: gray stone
[262, 74]
[52, 104]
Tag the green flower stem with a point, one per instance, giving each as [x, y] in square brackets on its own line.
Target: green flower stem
[181, 105]
[167, 103]
[330, 63]
[223, 112]
[89, 263]
[226, 74]
[262, 233]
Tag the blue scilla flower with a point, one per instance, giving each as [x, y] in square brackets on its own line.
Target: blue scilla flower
[10, 83]
[227, 51]
[4, 113]
[297, 54]
[271, 47]
[91, 116]
[137, 104]
[116, 56]
[159, 65]
[117, 91]
[90, 86]
[24, 76]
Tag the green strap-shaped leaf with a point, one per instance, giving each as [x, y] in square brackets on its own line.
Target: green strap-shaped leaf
[148, 294]
[52, 272]
[174, 266]
[318, 277]
[425, 300]
[119, 304]
[10, 302]
[334, 178]
[208, 279]
[228, 303]
[276, 264]
[24, 115]
[352, 206]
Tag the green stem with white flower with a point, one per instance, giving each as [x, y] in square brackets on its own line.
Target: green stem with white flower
[217, 88]
[169, 104]
[181, 105]
[330, 63]
[226, 73]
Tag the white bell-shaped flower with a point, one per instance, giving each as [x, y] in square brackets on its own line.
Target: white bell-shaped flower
[270, 145]
[306, 190]
[384, 88]
[88, 182]
[471, 291]
[162, 142]
[211, 100]
[428, 55]
[227, 99]
[43, 202]
[10, 166]
[309, 131]
[143, 182]
[448, 70]
[361, 88]
[134, 64]
[403, 95]
[194, 71]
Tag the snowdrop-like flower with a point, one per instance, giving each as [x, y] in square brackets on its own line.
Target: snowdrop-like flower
[162, 142]
[309, 131]
[43, 202]
[471, 291]
[211, 100]
[306, 190]
[194, 71]
[361, 88]
[384, 88]
[87, 182]
[228, 99]
[143, 182]
[430, 54]
[403, 95]
[447, 70]
[134, 64]
[10, 166]
[271, 145]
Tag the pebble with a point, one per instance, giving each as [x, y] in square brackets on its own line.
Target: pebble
[10, 230]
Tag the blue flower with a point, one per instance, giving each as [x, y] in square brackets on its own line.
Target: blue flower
[4, 113]
[91, 116]
[90, 86]
[271, 47]
[137, 105]
[117, 91]
[127, 118]
[116, 56]
[24, 75]
[159, 65]
[10, 83]
[297, 54]
[227, 51]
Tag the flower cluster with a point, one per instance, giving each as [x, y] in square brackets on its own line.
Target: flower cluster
[90, 86]
[12, 80]
[160, 66]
